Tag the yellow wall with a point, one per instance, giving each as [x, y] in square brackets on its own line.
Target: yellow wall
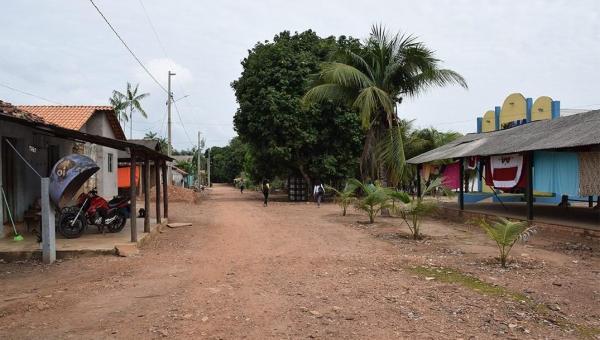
[513, 108]
[489, 122]
[542, 109]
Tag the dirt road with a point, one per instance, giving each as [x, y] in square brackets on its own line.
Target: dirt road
[287, 271]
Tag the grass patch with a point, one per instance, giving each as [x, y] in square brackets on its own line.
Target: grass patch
[452, 276]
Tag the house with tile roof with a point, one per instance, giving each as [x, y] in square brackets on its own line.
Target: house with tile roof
[32, 143]
[96, 120]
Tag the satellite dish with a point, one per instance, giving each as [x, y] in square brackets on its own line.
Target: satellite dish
[542, 109]
[489, 121]
[514, 108]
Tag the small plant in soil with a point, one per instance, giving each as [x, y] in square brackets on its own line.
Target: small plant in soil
[506, 233]
[413, 211]
[374, 198]
[344, 197]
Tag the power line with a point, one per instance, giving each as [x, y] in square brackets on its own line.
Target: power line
[182, 125]
[30, 94]
[164, 50]
[128, 49]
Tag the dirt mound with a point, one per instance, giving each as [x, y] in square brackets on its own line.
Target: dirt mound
[178, 194]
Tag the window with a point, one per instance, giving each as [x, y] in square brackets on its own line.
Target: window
[110, 162]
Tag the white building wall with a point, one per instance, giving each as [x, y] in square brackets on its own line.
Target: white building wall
[106, 179]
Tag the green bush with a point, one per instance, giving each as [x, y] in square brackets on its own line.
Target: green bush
[506, 233]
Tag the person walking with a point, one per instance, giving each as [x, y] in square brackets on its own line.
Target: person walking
[265, 189]
[242, 186]
[318, 193]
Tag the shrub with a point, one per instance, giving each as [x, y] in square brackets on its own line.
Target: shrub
[374, 198]
[506, 233]
[344, 197]
[413, 211]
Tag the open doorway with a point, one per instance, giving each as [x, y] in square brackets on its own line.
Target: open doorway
[8, 178]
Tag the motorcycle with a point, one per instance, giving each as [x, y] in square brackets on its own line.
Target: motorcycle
[95, 210]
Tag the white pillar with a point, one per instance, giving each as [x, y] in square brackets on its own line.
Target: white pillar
[48, 232]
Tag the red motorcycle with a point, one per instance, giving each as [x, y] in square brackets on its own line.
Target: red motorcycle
[93, 209]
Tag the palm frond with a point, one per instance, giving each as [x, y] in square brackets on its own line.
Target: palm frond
[139, 108]
[326, 92]
[390, 152]
[344, 75]
[369, 101]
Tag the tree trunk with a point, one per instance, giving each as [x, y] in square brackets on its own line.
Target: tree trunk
[306, 178]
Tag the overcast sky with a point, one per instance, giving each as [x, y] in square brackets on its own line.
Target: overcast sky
[62, 50]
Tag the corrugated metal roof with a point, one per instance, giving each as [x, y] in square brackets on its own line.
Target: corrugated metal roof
[578, 130]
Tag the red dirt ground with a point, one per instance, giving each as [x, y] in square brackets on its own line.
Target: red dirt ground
[293, 270]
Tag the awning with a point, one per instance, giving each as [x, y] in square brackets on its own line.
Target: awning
[574, 131]
[74, 135]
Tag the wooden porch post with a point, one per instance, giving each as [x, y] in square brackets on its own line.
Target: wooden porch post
[419, 167]
[132, 195]
[157, 178]
[529, 186]
[147, 194]
[165, 190]
[461, 195]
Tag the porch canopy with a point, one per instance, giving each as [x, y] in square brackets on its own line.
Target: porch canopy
[580, 132]
[576, 131]
[137, 152]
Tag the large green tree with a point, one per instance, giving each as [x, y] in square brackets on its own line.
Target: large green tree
[318, 141]
[388, 68]
[227, 162]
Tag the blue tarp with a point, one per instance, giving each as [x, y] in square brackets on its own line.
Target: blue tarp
[556, 172]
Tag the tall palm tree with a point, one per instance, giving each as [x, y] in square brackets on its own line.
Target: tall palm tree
[119, 105]
[373, 81]
[132, 99]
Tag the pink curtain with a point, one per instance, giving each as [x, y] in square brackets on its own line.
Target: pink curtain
[451, 176]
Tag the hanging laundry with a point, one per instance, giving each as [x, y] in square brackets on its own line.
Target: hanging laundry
[589, 176]
[451, 176]
[555, 172]
[426, 171]
[505, 172]
[472, 162]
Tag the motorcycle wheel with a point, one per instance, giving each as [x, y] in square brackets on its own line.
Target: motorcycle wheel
[118, 224]
[68, 228]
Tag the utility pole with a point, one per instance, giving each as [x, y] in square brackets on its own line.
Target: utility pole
[198, 160]
[208, 167]
[169, 101]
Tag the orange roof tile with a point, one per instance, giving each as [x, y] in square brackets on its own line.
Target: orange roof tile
[74, 117]
[8, 109]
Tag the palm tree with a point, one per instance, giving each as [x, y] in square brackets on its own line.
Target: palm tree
[373, 81]
[132, 99]
[119, 105]
[162, 141]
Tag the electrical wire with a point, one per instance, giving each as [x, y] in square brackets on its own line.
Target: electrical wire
[164, 50]
[30, 94]
[129, 49]
[182, 125]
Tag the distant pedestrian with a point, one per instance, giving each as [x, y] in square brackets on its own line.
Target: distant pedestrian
[318, 193]
[242, 186]
[265, 189]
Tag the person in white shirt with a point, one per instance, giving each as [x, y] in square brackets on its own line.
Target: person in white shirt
[318, 193]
